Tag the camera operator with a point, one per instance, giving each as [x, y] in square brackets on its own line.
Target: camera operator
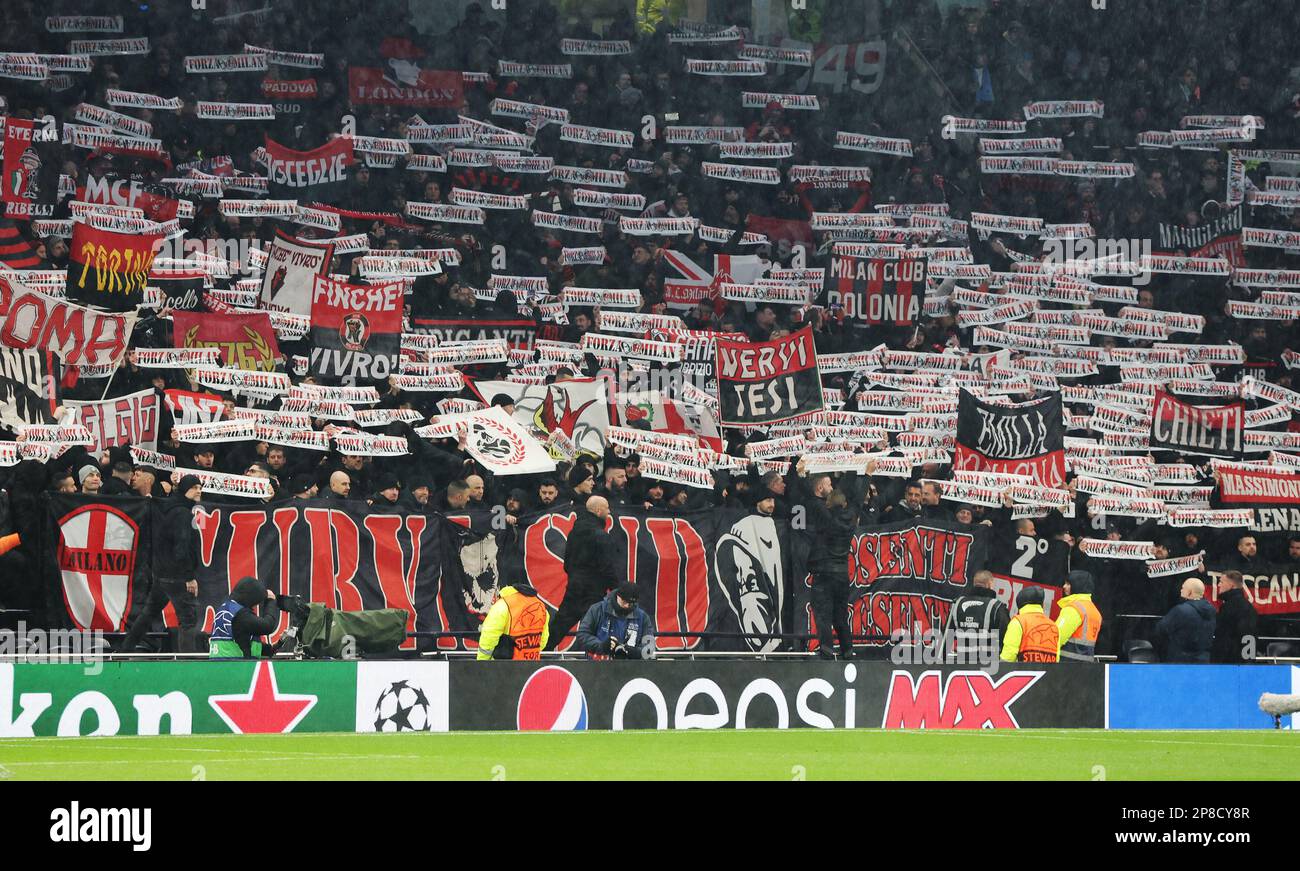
[615, 628]
[237, 631]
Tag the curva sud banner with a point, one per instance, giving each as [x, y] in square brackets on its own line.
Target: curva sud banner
[1023, 439]
[755, 695]
[768, 382]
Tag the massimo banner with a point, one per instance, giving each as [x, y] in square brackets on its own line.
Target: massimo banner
[356, 330]
[318, 175]
[292, 266]
[126, 420]
[1023, 439]
[1274, 500]
[29, 386]
[339, 553]
[1187, 429]
[517, 334]
[903, 577]
[768, 382]
[575, 696]
[247, 341]
[97, 555]
[876, 292]
[108, 269]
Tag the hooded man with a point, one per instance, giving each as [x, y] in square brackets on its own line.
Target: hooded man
[175, 562]
[1186, 633]
[1079, 620]
[237, 630]
[517, 626]
[615, 628]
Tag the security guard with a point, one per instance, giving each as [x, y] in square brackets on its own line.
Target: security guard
[1032, 636]
[978, 622]
[516, 627]
[1079, 620]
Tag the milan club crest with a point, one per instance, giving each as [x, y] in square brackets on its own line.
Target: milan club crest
[354, 332]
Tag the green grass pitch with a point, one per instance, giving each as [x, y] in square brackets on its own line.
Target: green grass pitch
[803, 754]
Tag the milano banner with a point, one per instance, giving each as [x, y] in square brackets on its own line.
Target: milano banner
[1023, 439]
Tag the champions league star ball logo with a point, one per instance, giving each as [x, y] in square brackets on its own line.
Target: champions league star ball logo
[552, 700]
[354, 332]
[402, 708]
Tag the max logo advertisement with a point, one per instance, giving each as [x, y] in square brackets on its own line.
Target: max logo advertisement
[552, 699]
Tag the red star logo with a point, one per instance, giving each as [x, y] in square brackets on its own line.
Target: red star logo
[263, 709]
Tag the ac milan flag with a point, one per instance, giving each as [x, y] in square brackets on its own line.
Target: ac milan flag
[768, 382]
[247, 341]
[356, 329]
[108, 269]
[1188, 429]
[876, 292]
[580, 408]
[126, 420]
[321, 172]
[157, 202]
[99, 556]
[1024, 439]
[26, 173]
[291, 268]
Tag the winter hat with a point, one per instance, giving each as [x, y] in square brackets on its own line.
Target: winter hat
[579, 474]
[186, 483]
[86, 471]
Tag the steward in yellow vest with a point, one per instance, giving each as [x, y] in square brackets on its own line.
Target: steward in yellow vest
[1031, 636]
[516, 627]
[1079, 620]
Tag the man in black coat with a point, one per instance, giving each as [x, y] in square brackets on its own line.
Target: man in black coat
[589, 563]
[176, 559]
[1186, 633]
[1236, 622]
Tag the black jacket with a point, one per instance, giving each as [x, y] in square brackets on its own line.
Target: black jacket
[589, 554]
[176, 550]
[1187, 632]
[830, 529]
[1237, 619]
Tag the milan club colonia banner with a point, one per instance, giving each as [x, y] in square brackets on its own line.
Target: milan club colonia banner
[877, 292]
[1209, 432]
[768, 382]
[356, 330]
[1024, 439]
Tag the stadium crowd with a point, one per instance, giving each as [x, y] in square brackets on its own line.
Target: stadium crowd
[1150, 63]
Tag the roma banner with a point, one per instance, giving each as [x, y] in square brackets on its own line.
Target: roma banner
[726, 571]
[126, 420]
[1188, 429]
[580, 408]
[768, 382]
[80, 336]
[29, 382]
[902, 577]
[517, 334]
[321, 173]
[97, 557]
[292, 266]
[247, 341]
[356, 330]
[108, 269]
[876, 292]
[1025, 439]
[338, 553]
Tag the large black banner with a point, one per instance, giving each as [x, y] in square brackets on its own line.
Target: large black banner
[1029, 560]
[768, 382]
[29, 381]
[331, 551]
[97, 559]
[1209, 432]
[903, 577]
[1024, 439]
[764, 695]
[876, 292]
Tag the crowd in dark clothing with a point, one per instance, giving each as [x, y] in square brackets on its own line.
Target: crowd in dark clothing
[1151, 66]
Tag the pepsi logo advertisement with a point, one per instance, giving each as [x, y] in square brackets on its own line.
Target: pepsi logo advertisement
[576, 696]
